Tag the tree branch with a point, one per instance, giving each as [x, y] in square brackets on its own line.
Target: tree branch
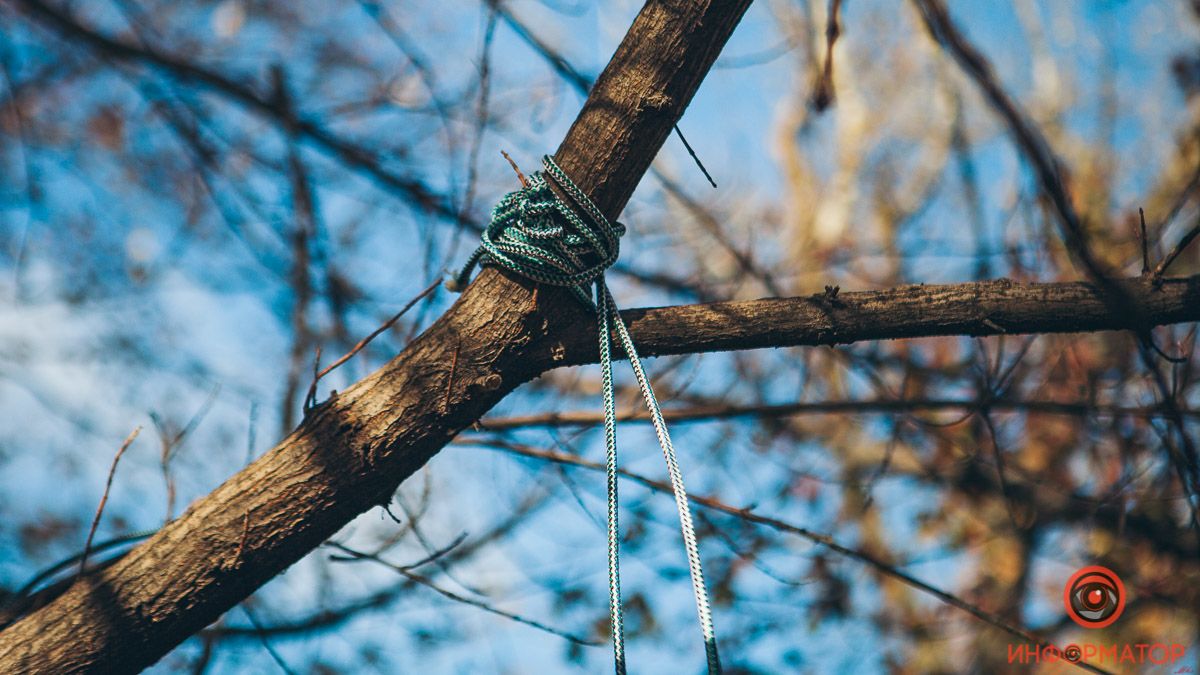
[999, 307]
[704, 413]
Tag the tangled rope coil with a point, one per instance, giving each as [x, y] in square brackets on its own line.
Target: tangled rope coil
[535, 234]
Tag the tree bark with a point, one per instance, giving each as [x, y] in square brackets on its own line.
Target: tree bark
[998, 307]
[353, 451]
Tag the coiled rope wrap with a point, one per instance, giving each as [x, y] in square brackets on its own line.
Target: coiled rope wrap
[533, 233]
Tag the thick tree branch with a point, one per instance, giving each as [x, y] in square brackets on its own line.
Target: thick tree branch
[999, 307]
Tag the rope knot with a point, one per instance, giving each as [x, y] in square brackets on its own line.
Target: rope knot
[538, 235]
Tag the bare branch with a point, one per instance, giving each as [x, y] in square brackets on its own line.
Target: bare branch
[87, 547]
[310, 400]
[721, 411]
[266, 643]
[1000, 307]
[1030, 140]
[823, 95]
[412, 576]
[1184, 241]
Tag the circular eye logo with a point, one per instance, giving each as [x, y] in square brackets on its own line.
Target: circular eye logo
[1094, 597]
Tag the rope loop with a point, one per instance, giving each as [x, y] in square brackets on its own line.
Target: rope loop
[537, 235]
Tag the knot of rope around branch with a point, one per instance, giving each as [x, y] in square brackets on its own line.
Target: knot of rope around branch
[538, 232]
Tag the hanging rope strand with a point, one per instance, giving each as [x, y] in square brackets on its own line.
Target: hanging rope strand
[610, 452]
[535, 234]
[681, 498]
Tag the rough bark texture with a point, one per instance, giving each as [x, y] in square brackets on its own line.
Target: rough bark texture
[353, 451]
[978, 308]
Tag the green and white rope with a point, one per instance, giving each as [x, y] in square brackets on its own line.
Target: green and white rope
[535, 234]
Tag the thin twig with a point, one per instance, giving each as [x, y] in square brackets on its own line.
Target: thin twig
[1181, 200]
[387, 508]
[1149, 340]
[87, 547]
[1006, 492]
[1145, 243]
[513, 164]
[170, 444]
[437, 554]
[721, 411]
[431, 556]
[1179, 247]
[33, 583]
[568, 72]
[419, 62]
[482, 110]
[312, 389]
[310, 398]
[465, 600]
[303, 236]
[262, 636]
[695, 157]
[432, 553]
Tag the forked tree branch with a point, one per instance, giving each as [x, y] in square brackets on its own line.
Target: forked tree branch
[350, 453]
